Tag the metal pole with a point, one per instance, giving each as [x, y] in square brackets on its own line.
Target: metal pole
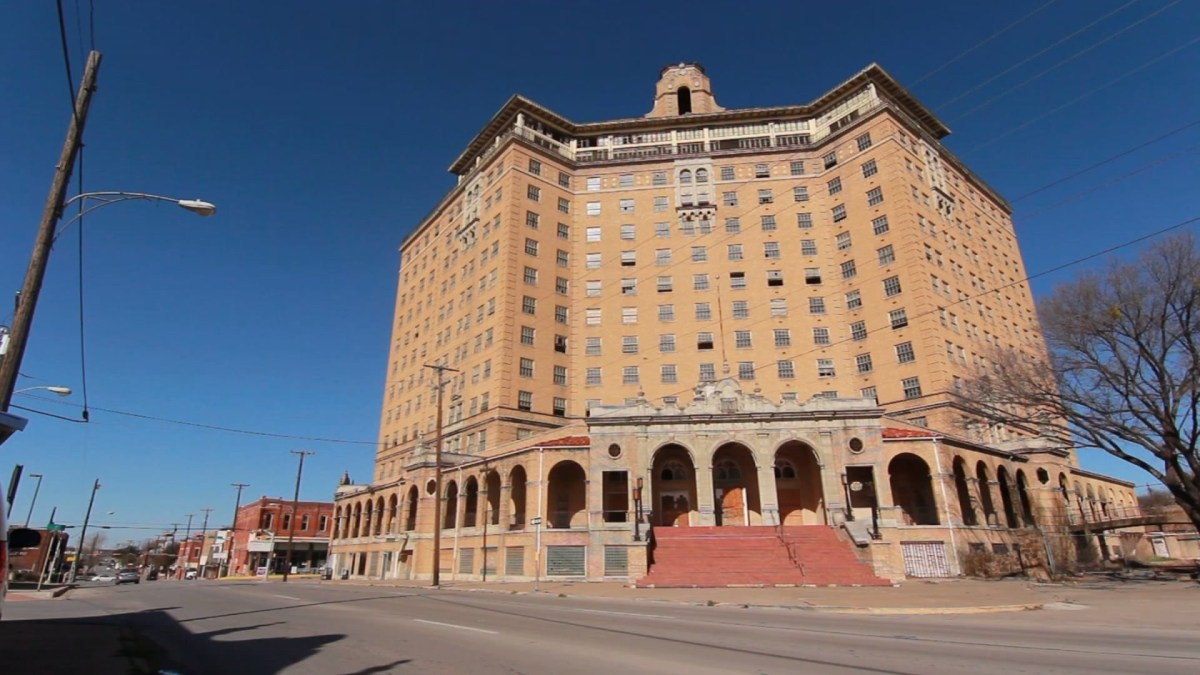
[187, 537]
[10, 366]
[49, 551]
[287, 555]
[83, 533]
[12, 487]
[37, 488]
[203, 536]
[437, 476]
[237, 506]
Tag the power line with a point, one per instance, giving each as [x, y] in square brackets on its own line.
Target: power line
[1067, 60]
[983, 42]
[1031, 57]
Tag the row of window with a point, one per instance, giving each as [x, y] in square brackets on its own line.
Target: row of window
[703, 226]
[785, 369]
[661, 204]
[593, 316]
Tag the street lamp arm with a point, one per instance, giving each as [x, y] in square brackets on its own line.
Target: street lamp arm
[115, 197]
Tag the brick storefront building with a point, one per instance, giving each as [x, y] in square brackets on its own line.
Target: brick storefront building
[256, 522]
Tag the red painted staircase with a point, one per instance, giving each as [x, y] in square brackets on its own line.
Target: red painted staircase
[685, 557]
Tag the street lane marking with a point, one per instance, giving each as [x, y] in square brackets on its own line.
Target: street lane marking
[452, 625]
[644, 616]
[286, 597]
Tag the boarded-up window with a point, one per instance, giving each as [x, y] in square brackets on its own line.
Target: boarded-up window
[466, 560]
[489, 560]
[925, 559]
[616, 561]
[566, 561]
[514, 561]
[446, 560]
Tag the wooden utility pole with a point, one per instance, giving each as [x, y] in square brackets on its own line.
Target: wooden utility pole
[237, 505]
[203, 537]
[10, 365]
[287, 555]
[437, 475]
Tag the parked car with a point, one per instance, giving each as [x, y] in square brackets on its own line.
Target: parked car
[127, 577]
[103, 577]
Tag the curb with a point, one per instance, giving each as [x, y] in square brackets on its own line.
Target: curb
[884, 611]
[59, 592]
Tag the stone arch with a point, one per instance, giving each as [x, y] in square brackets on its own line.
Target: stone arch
[1006, 499]
[685, 177]
[337, 523]
[379, 513]
[356, 526]
[1023, 495]
[912, 489]
[799, 491]
[1093, 512]
[672, 486]
[450, 517]
[368, 514]
[962, 488]
[735, 486]
[392, 513]
[410, 519]
[566, 495]
[983, 483]
[517, 485]
[491, 483]
[701, 176]
[471, 507]
[683, 100]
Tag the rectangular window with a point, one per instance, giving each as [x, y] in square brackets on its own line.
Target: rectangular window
[729, 198]
[561, 285]
[904, 353]
[660, 204]
[659, 178]
[887, 255]
[735, 251]
[529, 305]
[912, 387]
[525, 400]
[741, 309]
[564, 205]
[891, 286]
[666, 343]
[700, 282]
[816, 305]
[869, 169]
[563, 258]
[863, 363]
[592, 316]
[662, 229]
[774, 277]
[699, 254]
[812, 276]
[593, 208]
[564, 179]
[629, 315]
[830, 160]
[593, 183]
[765, 197]
[825, 368]
[564, 231]
[880, 225]
[703, 311]
[629, 375]
[808, 246]
[745, 370]
[560, 407]
[797, 168]
[629, 344]
[534, 193]
[704, 341]
[532, 219]
[625, 180]
[800, 193]
[783, 337]
[626, 206]
[666, 312]
[767, 222]
[526, 367]
[858, 330]
[737, 280]
[762, 171]
[628, 232]
[778, 307]
[843, 241]
[742, 339]
[708, 372]
[863, 142]
[668, 374]
[848, 270]
[592, 377]
[898, 318]
[560, 314]
[727, 173]
[560, 344]
[665, 284]
[854, 300]
[787, 370]
[530, 276]
[868, 392]
[592, 346]
[804, 220]
[527, 334]
[531, 247]
[733, 225]
[535, 167]
[820, 336]
[839, 213]
[834, 186]
[628, 258]
[592, 288]
[875, 197]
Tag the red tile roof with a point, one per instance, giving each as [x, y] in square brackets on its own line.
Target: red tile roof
[566, 442]
[892, 432]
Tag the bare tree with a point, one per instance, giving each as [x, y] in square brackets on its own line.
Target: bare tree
[1121, 373]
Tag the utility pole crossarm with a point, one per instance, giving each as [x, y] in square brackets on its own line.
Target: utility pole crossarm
[287, 555]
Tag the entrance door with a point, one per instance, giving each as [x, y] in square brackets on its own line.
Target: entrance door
[732, 501]
[675, 509]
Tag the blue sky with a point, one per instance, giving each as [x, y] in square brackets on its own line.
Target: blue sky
[323, 132]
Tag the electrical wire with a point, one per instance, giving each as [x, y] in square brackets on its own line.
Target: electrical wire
[981, 43]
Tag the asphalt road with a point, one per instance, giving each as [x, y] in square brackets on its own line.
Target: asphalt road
[250, 627]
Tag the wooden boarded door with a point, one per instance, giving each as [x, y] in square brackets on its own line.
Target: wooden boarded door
[733, 505]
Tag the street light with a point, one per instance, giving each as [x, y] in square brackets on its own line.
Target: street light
[61, 391]
[10, 366]
[36, 489]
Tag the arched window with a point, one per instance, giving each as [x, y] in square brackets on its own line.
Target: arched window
[685, 177]
[683, 97]
[726, 469]
[784, 469]
[673, 470]
[701, 175]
